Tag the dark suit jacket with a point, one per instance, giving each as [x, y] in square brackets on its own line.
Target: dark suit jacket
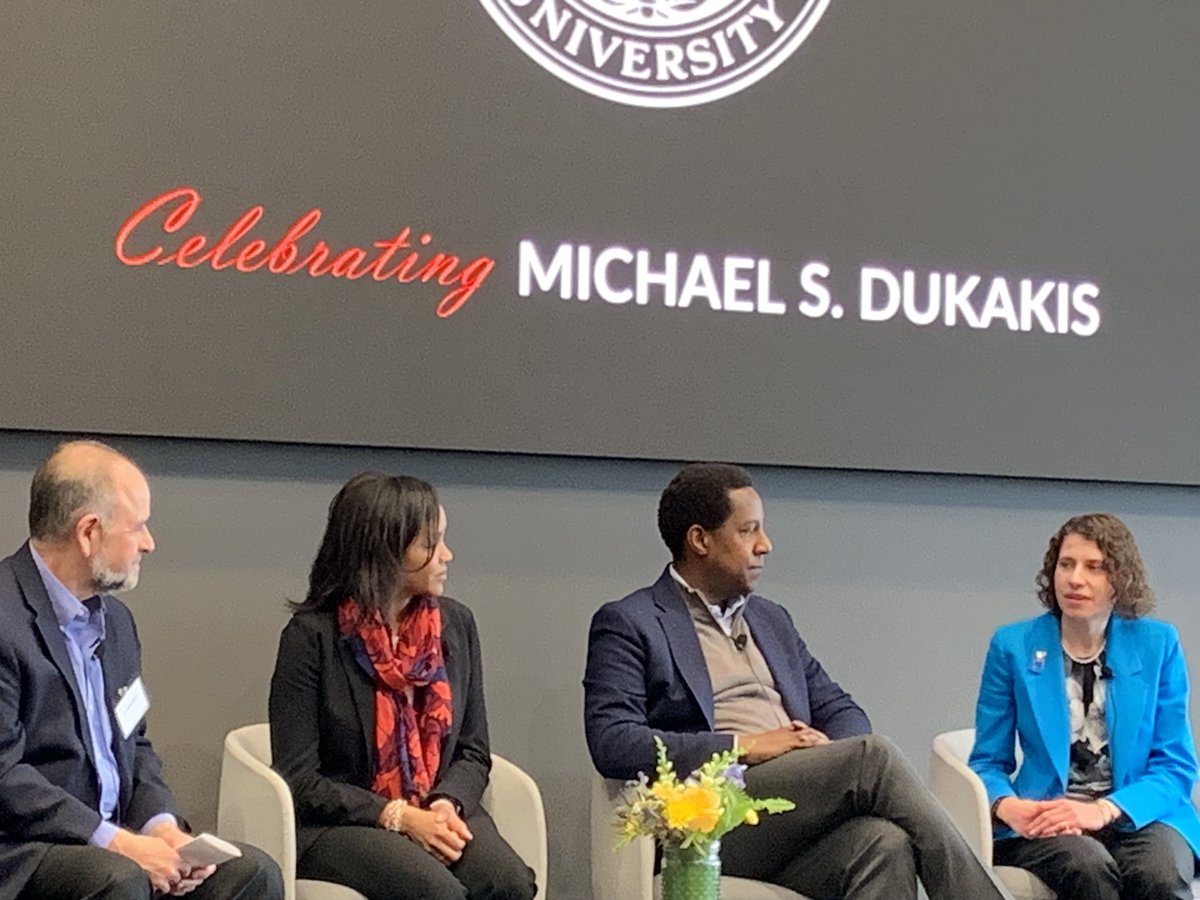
[322, 712]
[646, 677]
[49, 790]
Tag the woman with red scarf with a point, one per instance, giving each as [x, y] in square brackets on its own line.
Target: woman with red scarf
[377, 714]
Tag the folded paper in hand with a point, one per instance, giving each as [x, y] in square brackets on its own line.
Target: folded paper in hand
[208, 850]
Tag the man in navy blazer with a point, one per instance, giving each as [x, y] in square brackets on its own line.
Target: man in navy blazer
[704, 664]
[84, 809]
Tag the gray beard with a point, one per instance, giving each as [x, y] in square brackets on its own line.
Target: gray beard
[106, 581]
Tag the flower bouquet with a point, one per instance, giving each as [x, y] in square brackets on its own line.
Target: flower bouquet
[688, 819]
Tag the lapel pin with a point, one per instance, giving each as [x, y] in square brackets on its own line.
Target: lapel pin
[1039, 661]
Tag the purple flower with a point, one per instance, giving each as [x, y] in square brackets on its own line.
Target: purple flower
[735, 774]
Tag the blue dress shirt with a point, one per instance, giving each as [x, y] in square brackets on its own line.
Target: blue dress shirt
[82, 625]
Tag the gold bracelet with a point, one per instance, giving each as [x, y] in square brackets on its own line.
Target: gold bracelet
[1112, 812]
[392, 817]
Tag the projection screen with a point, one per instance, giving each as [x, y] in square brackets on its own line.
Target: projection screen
[922, 236]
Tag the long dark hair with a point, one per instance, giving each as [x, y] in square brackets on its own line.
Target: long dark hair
[372, 521]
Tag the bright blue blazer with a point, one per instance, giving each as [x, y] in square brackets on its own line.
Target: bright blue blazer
[1149, 735]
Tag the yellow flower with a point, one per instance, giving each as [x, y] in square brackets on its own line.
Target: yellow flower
[666, 791]
[695, 807]
[751, 817]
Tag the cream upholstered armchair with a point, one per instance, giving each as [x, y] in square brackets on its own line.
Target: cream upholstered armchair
[255, 806]
[628, 873]
[962, 793]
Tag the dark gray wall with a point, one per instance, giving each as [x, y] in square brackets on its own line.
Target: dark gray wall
[896, 582]
[1049, 142]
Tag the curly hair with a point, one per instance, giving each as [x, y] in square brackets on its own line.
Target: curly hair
[1132, 596]
[698, 495]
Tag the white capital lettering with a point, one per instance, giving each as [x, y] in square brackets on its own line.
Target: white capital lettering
[1034, 305]
[604, 259]
[958, 300]
[700, 282]
[735, 283]
[867, 311]
[530, 270]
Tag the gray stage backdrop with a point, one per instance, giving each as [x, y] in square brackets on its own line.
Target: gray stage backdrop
[1031, 165]
[896, 581]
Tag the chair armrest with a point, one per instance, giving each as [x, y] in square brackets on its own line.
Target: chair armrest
[255, 806]
[962, 794]
[514, 802]
[625, 874]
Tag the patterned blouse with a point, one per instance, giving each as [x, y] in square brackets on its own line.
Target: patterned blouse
[1089, 774]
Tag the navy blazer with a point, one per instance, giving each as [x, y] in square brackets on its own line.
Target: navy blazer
[646, 677]
[1023, 697]
[49, 790]
[322, 713]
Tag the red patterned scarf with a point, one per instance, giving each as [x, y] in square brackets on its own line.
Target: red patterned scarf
[412, 694]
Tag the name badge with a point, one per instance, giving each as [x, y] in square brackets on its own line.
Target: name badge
[132, 707]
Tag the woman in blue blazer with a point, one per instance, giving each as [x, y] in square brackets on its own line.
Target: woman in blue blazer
[1097, 695]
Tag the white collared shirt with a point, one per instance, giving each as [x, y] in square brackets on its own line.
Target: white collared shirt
[724, 616]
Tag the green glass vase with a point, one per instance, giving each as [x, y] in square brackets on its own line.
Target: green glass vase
[692, 874]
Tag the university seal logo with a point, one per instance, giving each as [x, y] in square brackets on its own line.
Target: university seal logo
[658, 53]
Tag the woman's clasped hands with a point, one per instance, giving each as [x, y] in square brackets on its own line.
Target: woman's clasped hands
[1052, 818]
[439, 830]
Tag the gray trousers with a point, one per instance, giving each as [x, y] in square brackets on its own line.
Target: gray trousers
[864, 828]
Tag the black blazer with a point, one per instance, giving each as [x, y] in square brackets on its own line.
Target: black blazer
[322, 712]
[49, 790]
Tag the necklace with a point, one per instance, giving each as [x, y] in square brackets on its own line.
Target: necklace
[1087, 659]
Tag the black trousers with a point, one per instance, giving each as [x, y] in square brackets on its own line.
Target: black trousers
[1152, 863]
[383, 865]
[864, 828]
[79, 872]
